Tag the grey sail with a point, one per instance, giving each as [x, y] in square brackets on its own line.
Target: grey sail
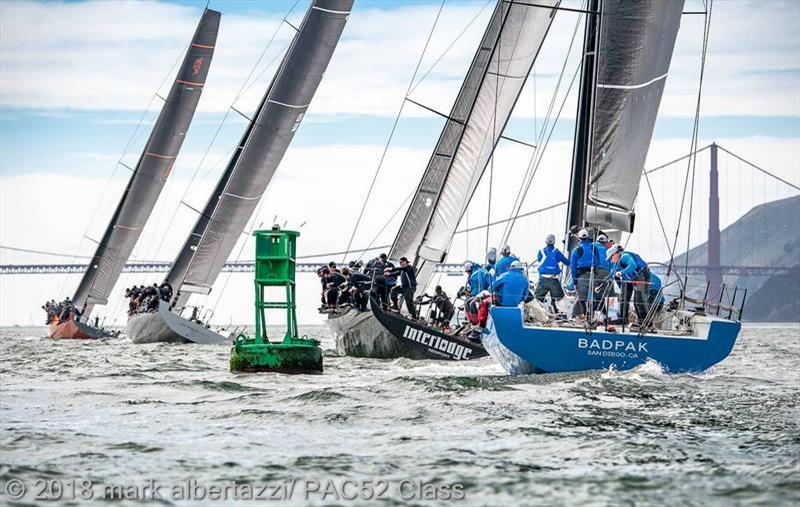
[152, 169]
[635, 49]
[260, 151]
[482, 108]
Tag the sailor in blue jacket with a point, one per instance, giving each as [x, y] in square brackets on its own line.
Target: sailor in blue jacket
[504, 262]
[549, 269]
[511, 287]
[635, 277]
[583, 261]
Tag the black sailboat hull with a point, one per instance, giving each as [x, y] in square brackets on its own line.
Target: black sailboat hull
[425, 341]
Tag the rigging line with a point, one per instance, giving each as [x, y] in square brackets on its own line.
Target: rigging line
[468, 229]
[658, 214]
[219, 128]
[385, 225]
[519, 198]
[494, 138]
[694, 140]
[463, 31]
[695, 128]
[394, 128]
[510, 227]
[759, 168]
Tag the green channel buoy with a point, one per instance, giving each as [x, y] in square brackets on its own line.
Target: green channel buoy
[276, 267]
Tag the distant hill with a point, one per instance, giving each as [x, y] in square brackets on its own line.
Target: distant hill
[767, 235]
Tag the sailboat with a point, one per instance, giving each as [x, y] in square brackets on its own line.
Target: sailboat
[628, 47]
[245, 178]
[143, 188]
[497, 74]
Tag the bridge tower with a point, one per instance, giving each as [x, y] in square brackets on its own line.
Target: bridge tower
[714, 273]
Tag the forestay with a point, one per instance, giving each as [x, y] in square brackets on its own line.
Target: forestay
[260, 150]
[482, 108]
[152, 169]
[635, 48]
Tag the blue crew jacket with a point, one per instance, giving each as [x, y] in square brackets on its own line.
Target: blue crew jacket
[548, 258]
[511, 288]
[630, 264]
[503, 264]
[585, 256]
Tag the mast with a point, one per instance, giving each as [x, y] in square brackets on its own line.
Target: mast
[151, 171]
[259, 152]
[487, 98]
[583, 125]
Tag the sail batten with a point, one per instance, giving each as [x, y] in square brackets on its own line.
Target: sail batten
[260, 150]
[482, 108]
[636, 42]
[151, 171]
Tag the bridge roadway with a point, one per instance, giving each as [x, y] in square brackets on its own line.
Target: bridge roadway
[248, 266]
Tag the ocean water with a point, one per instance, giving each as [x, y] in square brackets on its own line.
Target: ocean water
[164, 424]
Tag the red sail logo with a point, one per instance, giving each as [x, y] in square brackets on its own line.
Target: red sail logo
[198, 64]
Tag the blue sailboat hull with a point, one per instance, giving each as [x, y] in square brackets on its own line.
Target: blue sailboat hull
[523, 349]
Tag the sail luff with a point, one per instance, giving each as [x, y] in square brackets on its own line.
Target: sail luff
[152, 169]
[260, 151]
[636, 43]
[520, 34]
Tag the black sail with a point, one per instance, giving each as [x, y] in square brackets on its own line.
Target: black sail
[152, 169]
[260, 150]
[635, 49]
[484, 104]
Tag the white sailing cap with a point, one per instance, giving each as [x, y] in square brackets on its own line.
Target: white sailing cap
[602, 238]
[611, 251]
[506, 250]
[517, 265]
[467, 266]
[551, 239]
[583, 234]
[491, 255]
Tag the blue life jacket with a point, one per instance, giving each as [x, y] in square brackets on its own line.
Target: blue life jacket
[548, 258]
[503, 264]
[601, 254]
[584, 257]
[479, 280]
[631, 265]
[511, 288]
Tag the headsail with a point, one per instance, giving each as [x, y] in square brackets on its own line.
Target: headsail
[152, 169]
[484, 104]
[260, 150]
[635, 49]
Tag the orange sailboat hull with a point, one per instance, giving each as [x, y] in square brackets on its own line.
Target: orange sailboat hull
[71, 330]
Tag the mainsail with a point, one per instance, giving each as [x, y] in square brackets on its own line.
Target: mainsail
[152, 169]
[260, 150]
[482, 108]
[636, 41]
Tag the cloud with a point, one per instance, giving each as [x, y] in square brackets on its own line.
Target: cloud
[110, 55]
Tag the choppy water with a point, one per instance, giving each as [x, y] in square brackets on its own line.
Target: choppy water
[120, 415]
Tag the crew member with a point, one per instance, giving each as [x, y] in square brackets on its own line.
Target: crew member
[380, 285]
[407, 287]
[357, 288]
[333, 282]
[583, 261]
[444, 307]
[504, 262]
[549, 270]
[511, 287]
[635, 277]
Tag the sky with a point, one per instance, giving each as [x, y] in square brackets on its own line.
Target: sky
[78, 83]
